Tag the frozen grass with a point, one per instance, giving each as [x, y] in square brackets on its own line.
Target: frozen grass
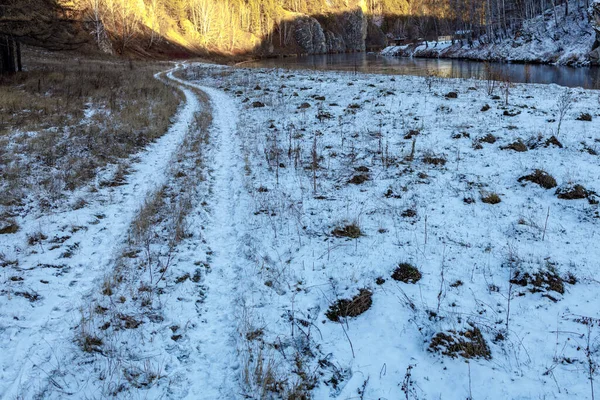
[66, 117]
[340, 249]
[353, 175]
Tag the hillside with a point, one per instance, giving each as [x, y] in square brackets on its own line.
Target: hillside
[505, 30]
[551, 38]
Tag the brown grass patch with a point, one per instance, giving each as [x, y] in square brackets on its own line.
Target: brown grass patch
[350, 307]
[407, 273]
[542, 281]
[540, 177]
[350, 231]
[518, 146]
[468, 344]
[76, 116]
[574, 192]
[491, 198]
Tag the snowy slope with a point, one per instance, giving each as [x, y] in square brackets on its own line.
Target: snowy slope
[541, 40]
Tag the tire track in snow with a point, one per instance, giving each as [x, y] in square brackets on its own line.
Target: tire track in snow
[31, 339]
[215, 374]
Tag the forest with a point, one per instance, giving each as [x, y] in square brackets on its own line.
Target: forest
[255, 26]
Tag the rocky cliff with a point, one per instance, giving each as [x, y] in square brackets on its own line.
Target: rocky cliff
[336, 33]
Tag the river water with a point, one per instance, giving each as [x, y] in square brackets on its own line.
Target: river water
[585, 77]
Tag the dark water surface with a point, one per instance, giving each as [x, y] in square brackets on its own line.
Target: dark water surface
[585, 77]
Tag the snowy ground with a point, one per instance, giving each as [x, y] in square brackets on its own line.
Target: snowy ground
[544, 39]
[237, 306]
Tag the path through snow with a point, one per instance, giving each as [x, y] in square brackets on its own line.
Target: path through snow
[216, 369]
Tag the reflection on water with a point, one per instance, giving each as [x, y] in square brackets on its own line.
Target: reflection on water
[588, 77]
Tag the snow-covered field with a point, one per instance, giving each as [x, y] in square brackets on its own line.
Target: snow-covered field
[304, 189]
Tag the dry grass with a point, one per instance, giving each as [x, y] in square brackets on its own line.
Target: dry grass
[63, 119]
[352, 231]
[467, 344]
[540, 177]
[350, 307]
[406, 273]
[490, 198]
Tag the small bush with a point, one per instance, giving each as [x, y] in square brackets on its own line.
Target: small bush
[540, 177]
[407, 273]
[350, 307]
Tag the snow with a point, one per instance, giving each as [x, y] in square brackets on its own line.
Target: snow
[539, 41]
[302, 268]
[253, 324]
[35, 333]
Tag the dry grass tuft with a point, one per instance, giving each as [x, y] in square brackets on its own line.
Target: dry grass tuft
[540, 177]
[517, 146]
[490, 198]
[574, 192]
[352, 231]
[350, 307]
[406, 273]
[468, 344]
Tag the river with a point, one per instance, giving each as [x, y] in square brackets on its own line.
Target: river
[584, 77]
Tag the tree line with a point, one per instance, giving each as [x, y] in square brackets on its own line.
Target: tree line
[244, 25]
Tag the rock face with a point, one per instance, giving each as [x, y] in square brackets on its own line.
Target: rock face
[336, 33]
[310, 36]
[354, 30]
[375, 36]
[595, 22]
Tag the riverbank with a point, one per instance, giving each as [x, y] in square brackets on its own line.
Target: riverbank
[552, 38]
